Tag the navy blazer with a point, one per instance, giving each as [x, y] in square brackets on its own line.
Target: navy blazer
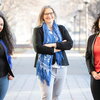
[38, 37]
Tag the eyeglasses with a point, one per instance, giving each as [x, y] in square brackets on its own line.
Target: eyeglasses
[50, 13]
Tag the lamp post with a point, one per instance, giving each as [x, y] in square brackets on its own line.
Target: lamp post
[74, 29]
[86, 2]
[0, 5]
[80, 8]
[0, 2]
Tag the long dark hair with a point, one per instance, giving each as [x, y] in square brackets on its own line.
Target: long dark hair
[95, 27]
[6, 36]
[40, 19]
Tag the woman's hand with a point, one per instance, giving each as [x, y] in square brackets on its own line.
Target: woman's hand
[10, 77]
[56, 50]
[64, 41]
[50, 45]
[95, 75]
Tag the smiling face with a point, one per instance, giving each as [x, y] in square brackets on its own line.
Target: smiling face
[48, 16]
[1, 24]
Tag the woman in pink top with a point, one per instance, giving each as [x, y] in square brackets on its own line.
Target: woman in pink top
[93, 59]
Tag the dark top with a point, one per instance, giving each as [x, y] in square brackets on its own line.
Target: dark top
[38, 37]
[89, 56]
[3, 62]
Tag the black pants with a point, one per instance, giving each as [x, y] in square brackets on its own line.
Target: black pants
[95, 88]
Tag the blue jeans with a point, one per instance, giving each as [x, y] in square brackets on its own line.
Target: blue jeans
[53, 91]
[4, 82]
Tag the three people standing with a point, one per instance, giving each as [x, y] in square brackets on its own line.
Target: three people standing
[50, 42]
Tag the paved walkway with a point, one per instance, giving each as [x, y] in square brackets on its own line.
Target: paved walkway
[25, 87]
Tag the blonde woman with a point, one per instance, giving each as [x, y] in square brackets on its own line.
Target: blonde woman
[50, 42]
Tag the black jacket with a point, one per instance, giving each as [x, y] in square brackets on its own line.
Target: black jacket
[39, 48]
[7, 60]
[89, 53]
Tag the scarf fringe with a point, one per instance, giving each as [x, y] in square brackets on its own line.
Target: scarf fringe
[44, 75]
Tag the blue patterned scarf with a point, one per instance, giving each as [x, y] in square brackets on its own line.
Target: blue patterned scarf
[44, 62]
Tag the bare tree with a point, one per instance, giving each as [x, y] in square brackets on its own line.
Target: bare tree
[94, 9]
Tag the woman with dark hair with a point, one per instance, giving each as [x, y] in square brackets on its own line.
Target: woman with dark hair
[93, 59]
[6, 49]
[50, 42]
